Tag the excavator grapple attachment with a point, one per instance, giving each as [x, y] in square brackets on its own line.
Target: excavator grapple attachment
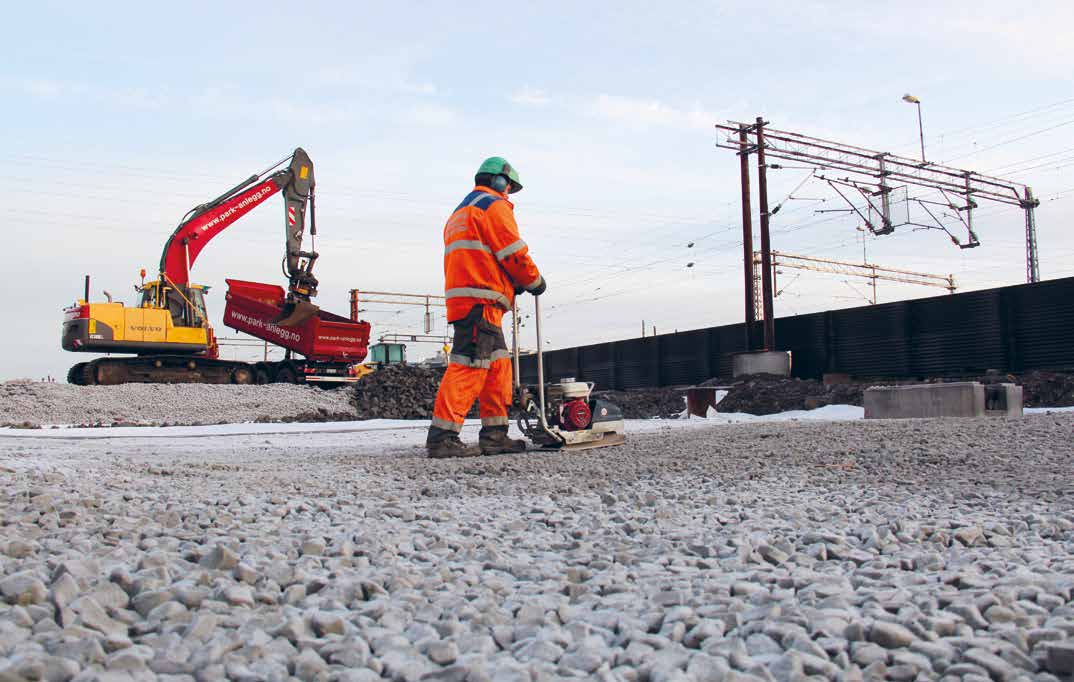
[295, 313]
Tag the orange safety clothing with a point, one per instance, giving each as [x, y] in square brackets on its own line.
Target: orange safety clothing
[479, 367]
[484, 257]
[485, 260]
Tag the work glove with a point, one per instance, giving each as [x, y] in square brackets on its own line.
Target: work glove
[540, 288]
[519, 290]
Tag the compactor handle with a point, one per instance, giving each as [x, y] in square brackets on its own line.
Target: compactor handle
[540, 360]
[514, 344]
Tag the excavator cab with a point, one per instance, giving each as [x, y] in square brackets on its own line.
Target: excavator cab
[197, 300]
[164, 321]
[187, 309]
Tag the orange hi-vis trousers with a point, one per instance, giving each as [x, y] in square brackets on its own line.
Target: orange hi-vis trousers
[479, 368]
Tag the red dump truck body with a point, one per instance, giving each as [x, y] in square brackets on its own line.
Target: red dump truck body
[325, 337]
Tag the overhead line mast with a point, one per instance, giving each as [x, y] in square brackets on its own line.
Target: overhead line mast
[875, 175]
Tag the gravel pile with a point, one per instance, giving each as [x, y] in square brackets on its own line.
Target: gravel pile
[398, 392]
[409, 391]
[43, 404]
[866, 550]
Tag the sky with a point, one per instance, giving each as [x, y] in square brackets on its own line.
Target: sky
[119, 117]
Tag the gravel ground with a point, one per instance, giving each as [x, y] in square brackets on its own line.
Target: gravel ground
[37, 404]
[897, 549]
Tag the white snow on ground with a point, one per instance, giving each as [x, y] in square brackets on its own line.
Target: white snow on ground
[828, 413]
[413, 432]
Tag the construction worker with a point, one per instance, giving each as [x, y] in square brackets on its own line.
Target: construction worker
[486, 264]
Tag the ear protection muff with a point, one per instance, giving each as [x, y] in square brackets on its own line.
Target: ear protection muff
[499, 183]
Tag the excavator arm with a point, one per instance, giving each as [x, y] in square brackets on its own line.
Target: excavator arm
[207, 220]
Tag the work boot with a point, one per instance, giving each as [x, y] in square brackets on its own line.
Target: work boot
[493, 440]
[443, 444]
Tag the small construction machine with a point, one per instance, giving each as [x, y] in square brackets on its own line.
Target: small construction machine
[562, 415]
[169, 331]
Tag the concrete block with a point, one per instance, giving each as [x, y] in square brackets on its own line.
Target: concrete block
[776, 362]
[1003, 400]
[958, 399]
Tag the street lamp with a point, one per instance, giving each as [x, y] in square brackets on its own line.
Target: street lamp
[920, 129]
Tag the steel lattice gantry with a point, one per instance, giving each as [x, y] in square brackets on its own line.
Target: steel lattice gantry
[875, 175]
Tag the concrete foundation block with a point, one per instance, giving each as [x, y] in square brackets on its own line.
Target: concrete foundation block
[776, 362]
[958, 399]
[1003, 400]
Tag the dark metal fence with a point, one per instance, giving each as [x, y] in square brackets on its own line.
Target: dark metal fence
[1012, 329]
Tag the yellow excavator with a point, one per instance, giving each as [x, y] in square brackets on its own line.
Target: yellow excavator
[169, 329]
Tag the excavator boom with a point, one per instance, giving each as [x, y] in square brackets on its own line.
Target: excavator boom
[197, 230]
[207, 220]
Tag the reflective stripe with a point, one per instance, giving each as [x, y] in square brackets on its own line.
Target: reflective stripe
[469, 244]
[534, 284]
[509, 249]
[472, 292]
[495, 421]
[466, 361]
[446, 425]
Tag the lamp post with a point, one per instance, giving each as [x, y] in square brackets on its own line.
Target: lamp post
[920, 129]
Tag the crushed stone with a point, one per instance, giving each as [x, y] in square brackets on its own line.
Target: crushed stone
[37, 404]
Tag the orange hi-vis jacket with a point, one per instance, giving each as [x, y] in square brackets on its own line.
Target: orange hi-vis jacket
[484, 257]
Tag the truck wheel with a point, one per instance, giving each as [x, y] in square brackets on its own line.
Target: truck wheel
[286, 375]
[242, 375]
[262, 376]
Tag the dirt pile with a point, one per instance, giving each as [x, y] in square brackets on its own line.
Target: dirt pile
[763, 394]
[409, 391]
[1043, 389]
[646, 403]
[766, 394]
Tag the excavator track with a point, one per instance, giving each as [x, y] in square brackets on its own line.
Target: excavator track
[78, 374]
[160, 369]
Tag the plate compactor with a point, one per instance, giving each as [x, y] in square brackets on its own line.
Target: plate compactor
[562, 415]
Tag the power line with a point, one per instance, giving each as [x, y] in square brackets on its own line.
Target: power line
[940, 138]
[1012, 140]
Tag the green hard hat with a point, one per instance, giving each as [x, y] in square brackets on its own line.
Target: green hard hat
[497, 165]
